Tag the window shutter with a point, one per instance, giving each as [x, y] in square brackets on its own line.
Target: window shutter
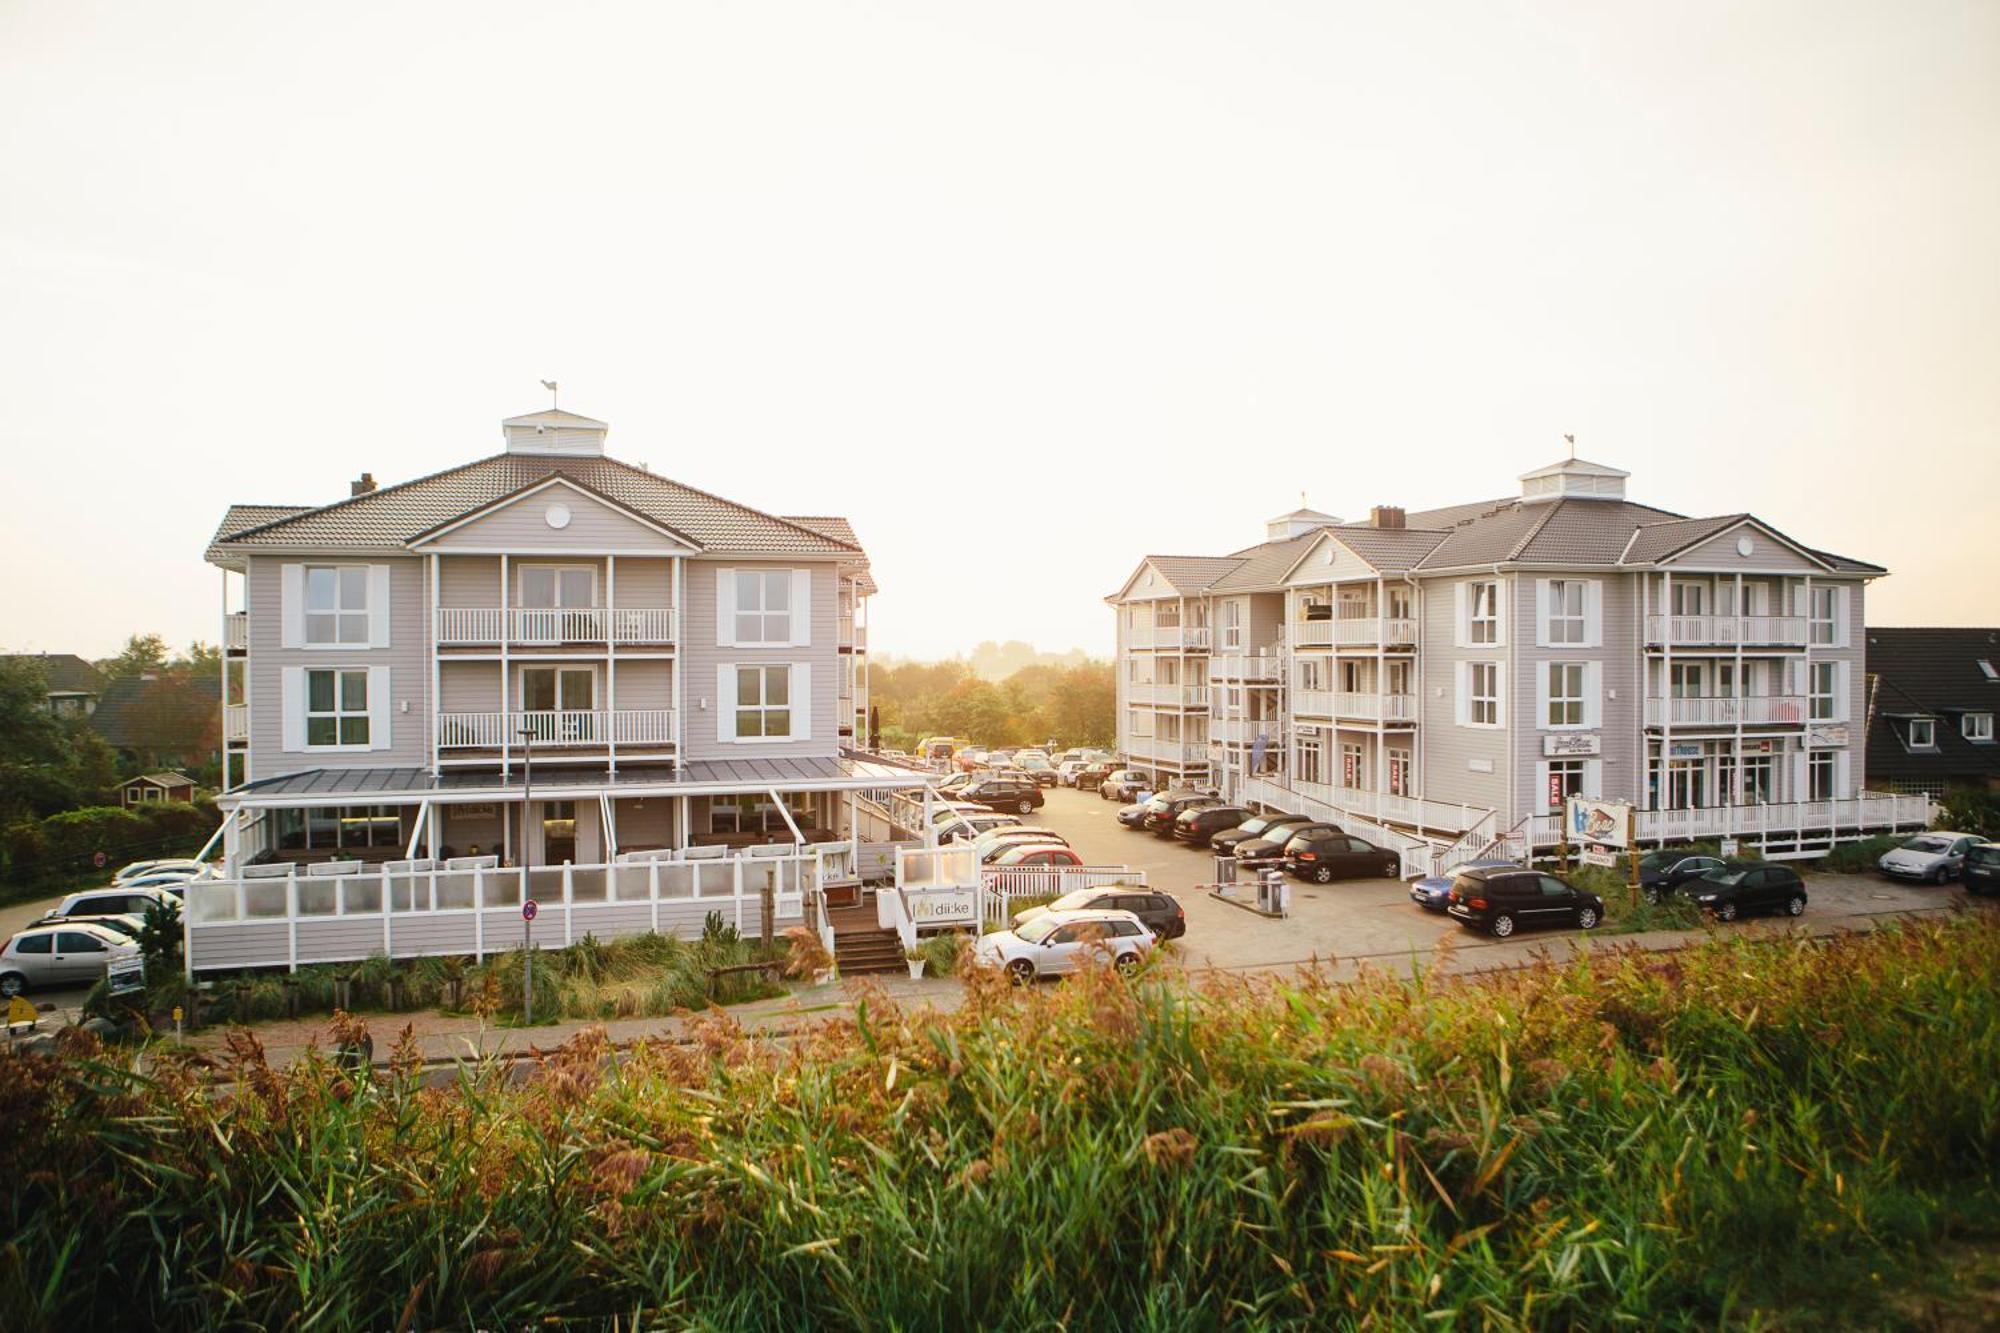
[725, 702]
[1801, 788]
[292, 605]
[1841, 712]
[725, 609]
[1593, 613]
[1541, 785]
[293, 696]
[381, 707]
[1503, 705]
[802, 604]
[1464, 689]
[378, 613]
[1841, 780]
[1461, 610]
[1593, 778]
[1502, 608]
[1542, 696]
[1542, 613]
[1840, 605]
[802, 701]
[1593, 694]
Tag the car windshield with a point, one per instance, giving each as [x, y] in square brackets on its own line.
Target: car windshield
[1986, 856]
[1038, 930]
[1927, 845]
[1070, 902]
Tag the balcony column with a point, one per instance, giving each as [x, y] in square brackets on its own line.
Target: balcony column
[224, 691]
[1663, 798]
[1742, 687]
[611, 663]
[506, 633]
[437, 670]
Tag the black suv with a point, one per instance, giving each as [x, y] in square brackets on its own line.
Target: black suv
[1161, 912]
[1737, 889]
[1017, 794]
[1325, 855]
[1503, 899]
[1161, 811]
[1257, 826]
[1195, 826]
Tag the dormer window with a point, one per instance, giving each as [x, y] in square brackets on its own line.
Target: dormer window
[1977, 728]
[1923, 733]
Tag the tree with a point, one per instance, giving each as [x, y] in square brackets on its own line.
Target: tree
[202, 661]
[142, 655]
[38, 771]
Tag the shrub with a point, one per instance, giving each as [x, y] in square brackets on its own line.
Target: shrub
[945, 952]
[1854, 857]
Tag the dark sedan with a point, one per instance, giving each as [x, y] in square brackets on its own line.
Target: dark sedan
[1264, 851]
[1021, 795]
[1982, 868]
[1327, 855]
[1196, 826]
[1257, 826]
[1671, 868]
[1737, 890]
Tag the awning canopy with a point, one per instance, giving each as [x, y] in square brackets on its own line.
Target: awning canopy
[558, 782]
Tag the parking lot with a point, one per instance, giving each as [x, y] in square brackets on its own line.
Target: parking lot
[1373, 920]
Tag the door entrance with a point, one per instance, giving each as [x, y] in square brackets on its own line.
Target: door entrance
[558, 832]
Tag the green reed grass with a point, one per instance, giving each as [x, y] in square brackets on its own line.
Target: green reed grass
[1758, 1134]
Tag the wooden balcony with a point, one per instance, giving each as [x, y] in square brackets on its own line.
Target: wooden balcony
[545, 627]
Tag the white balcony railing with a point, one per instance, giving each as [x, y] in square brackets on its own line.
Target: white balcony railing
[1728, 631]
[236, 722]
[236, 631]
[1244, 730]
[461, 626]
[1171, 696]
[1354, 632]
[1377, 707]
[566, 727]
[1250, 668]
[1149, 749]
[1846, 817]
[1180, 636]
[1757, 710]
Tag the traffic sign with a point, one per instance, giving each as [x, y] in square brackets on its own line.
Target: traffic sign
[99, 860]
[528, 910]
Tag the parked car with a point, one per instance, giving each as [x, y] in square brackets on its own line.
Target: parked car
[999, 793]
[1739, 889]
[1036, 854]
[173, 881]
[1091, 775]
[968, 827]
[1133, 815]
[71, 953]
[1930, 857]
[1982, 868]
[1325, 855]
[1017, 832]
[1124, 784]
[128, 924]
[1505, 899]
[1197, 824]
[1263, 851]
[116, 901]
[1164, 807]
[1059, 942]
[1256, 826]
[1039, 769]
[1159, 912]
[1433, 893]
[1670, 868]
[173, 865]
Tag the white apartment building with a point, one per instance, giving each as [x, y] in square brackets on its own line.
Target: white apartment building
[1444, 678]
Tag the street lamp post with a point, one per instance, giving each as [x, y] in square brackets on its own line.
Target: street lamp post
[527, 921]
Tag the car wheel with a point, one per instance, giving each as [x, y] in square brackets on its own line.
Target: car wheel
[1940, 876]
[1392, 870]
[1503, 926]
[1323, 875]
[1655, 896]
[1797, 906]
[1726, 912]
[1586, 917]
[1026, 807]
[12, 984]
[1020, 971]
[1127, 964]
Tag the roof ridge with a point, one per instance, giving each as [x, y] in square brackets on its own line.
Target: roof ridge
[733, 504]
[366, 495]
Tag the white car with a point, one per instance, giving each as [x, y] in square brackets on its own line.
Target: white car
[1056, 943]
[184, 867]
[1931, 857]
[65, 954]
[114, 900]
[966, 828]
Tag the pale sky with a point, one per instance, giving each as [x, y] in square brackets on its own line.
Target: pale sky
[1026, 290]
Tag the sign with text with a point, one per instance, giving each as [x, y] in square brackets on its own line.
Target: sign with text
[1823, 735]
[1598, 856]
[1556, 792]
[1598, 821]
[944, 907]
[1571, 745]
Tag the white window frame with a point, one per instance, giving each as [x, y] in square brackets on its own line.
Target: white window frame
[1927, 738]
[1823, 631]
[1475, 701]
[339, 713]
[1232, 626]
[762, 581]
[1819, 761]
[1310, 760]
[1563, 703]
[763, 708]
[1567, 627]
[1579, 767]
[523, 670]
[1831, 694]
[340, 612]
[1977, 728]
[1486, 618]
[556, 571]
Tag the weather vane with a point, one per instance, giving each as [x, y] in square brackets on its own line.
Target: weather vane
[550, 385]
[1570, 438]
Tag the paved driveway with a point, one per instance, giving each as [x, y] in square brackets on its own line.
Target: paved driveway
[1373, 920]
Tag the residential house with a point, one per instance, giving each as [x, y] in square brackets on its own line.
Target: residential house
[1933, 697]
[74, 685]
[1445, 677]
[157, 789]
[161, 718]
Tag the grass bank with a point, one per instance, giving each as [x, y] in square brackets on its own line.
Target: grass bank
[1778, 1134]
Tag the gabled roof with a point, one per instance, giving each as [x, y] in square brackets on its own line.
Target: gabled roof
[556, 418]
[1260, 567]
[554, 480]
[388, 518]
[1391, 550]
[172, 779]
[66, 673]
[1654, 541]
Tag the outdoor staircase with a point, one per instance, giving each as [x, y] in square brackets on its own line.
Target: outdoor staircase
[860, 945]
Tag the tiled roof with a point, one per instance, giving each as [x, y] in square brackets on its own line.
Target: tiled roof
[1260, 567]
[161, 780]
[1583, 532]
[842, 531]
[66, 673]
[389, 517]
[1933, 672]
[1653, 540]
[241, 518]
[1192, 573]
[1391, 550]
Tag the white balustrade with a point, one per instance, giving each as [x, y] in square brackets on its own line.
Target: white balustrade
[236, 722]
[1728, 631]
[236, 631]
[1749, 710]
[624, 726]
[460, 626]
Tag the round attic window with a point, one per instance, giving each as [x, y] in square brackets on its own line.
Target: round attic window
[557, 515]
[1744, 546]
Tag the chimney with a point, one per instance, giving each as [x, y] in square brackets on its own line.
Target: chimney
[1387, 516]
[361, 485]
